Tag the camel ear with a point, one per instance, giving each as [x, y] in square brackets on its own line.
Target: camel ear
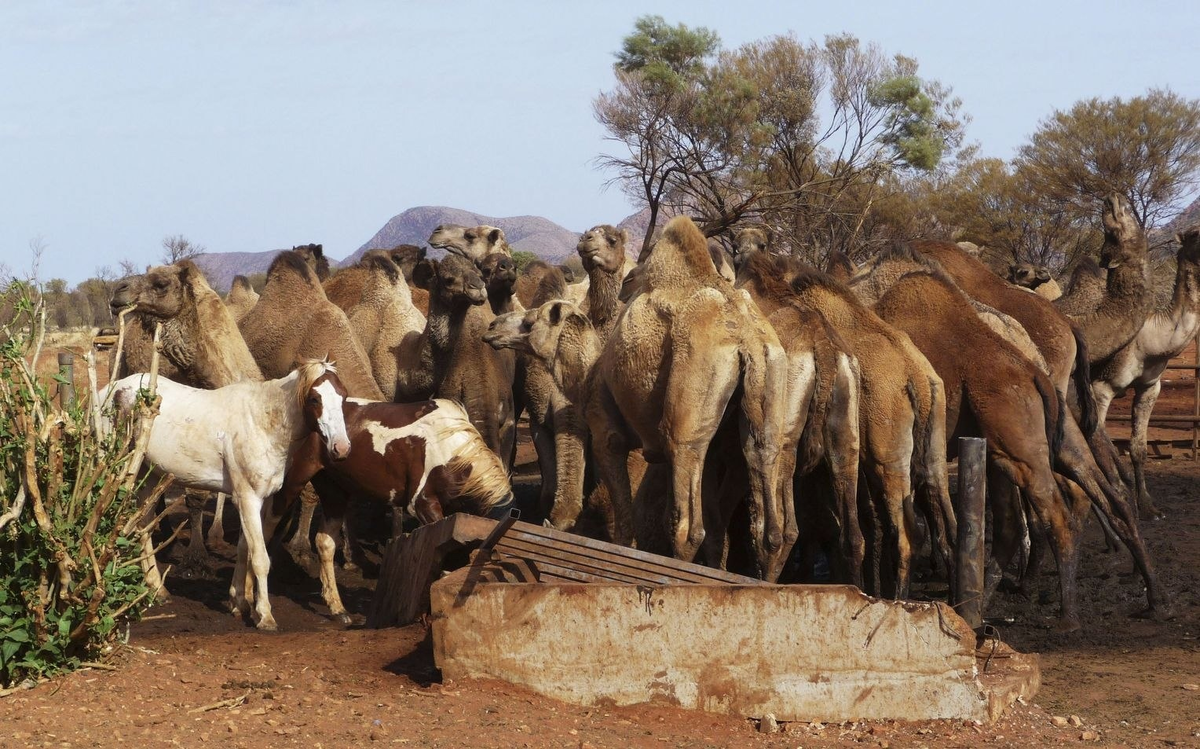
[556, 313]
[318, 250]
[624, 236]
[424, 273]
[495, 235]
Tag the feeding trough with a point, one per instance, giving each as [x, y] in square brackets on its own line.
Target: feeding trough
[593, 623]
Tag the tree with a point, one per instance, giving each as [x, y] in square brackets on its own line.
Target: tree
[1146, 148]
[521, 258]
[798, 135]
[178, 247]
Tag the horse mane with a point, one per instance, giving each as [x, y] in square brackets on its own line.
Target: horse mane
[487, 482]
[310, 371]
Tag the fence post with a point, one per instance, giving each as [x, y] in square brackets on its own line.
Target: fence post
[1196, 403]
[66, 370]
[970, 561]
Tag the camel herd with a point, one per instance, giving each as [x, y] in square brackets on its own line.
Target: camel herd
[723, 404]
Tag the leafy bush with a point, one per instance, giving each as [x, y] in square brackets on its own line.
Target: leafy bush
[72, 531]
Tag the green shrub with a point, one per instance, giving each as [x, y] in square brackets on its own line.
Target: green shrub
[71, 522]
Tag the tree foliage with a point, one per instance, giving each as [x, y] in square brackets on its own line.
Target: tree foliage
[800, 135]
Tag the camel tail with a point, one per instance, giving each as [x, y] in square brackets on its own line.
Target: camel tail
[1053, 408]
[1082, 377]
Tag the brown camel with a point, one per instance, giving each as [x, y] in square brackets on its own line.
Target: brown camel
[1085, 291]
[529, 280]
[899, 282]
[1127, 300]
[840, 266]
[385, 322]
[500, 277]
[474, 242]
[1140, 363]
[559, 343]
[454, 362]
[314, 257]
[1036, 278]
[345, 287]
[901, 425]
[294, 321]
[821, 420]
[602, 250]
[201, 341]
[241, 298]
[685, 343]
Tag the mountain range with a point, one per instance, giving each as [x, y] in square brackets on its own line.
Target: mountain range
[541, 236]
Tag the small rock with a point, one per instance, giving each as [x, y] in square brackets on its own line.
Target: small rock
[1059, 721]
[768, 724]
[1075, 721]
[1191, 687]
[1089, 736]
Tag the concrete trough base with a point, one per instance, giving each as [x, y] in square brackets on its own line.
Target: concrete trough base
[798, 652]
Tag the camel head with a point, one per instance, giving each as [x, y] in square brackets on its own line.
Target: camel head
[840, 266]
[499, 273]
[161, 292]
[453, 281]
[407, 256]
[603, 247]
[1189, 245]
[1028, 275]
[535, 331]
[473, 243]
[721, 259]
[314, 255]
[1124, 240]
[756, 238]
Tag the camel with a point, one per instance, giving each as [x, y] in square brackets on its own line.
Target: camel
[1127, 300]
[474, 243]
[1141, 363]
[385, 321]
[901, 424]
[911, 292]
[530, 280]
[602, 250]
[294, 321]
[454, 362]
[1036, 278]
[686, 342]
[314, 257]
[559, 343]
[840, 266]
[500, 276]
[201, 343]
[344, 288]
[1085, 290]
[822, 418]
[241, 297]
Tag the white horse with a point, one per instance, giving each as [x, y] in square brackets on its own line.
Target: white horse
[239, 440]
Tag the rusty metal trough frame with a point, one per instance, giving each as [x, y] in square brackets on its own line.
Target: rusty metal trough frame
[594, 623]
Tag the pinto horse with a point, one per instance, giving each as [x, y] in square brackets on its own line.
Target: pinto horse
[426, 459]
[239, 440]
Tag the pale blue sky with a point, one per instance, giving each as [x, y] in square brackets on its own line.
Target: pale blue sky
[251, 125]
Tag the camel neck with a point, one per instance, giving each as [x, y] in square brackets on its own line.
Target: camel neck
[1178, 324]
[603, 293]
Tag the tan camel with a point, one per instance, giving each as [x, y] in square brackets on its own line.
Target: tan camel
[530, 279]
[1127, 300]
[684, 344]
[602, 250]
[953, 340]
[201, 341]
[294, 321]
[314, 257]
[473, 242]
[1141, 363]
[454, 361]
[386, 323]
[344, 288]
[821, 418]
[1085, 291]
[840, 266]
[241, 298]
[1036, 278]
[901, 426]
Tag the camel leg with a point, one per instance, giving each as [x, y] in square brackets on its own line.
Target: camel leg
[299, 547]
[895, 492]
[723, 485]
[195, 556]
[1010, 532]
[569, 462]
[216, 532]
[1143, 405]
[610, 448]
[333, 511]
[351, 548]
[841, 458]
[869, 492]
[544, 444]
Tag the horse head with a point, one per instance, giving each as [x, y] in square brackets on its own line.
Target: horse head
[322, 396]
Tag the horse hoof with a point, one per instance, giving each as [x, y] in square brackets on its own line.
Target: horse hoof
[267, 625]
[343, 619]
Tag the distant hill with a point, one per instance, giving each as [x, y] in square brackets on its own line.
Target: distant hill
[535, 234]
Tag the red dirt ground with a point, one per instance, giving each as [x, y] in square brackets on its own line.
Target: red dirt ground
[1130, 682]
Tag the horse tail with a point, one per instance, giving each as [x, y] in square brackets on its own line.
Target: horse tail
[1081, 375]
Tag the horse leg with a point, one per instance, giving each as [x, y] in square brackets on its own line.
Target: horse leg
[333, 511]
[238, 603]
[195, 557]
[299, 547]
[1143, 404]
[250, 508]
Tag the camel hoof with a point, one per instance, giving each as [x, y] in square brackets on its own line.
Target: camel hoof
[1067, 625]
[1154, 613]
[1151, 513]
[351, 566]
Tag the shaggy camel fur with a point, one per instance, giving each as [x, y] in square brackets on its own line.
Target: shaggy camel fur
[294, 321]
[953, 340]
[386, 323]
[602, 250]
[344, 288]
[821, 420]
[558, 340]
[241, 298]
[530, 279]
[1141, 363]
[840, 266]
[1036, 278]
[1085, 291]
[314, 257]
[454, 361]
[686, 342]
[1127, 300]
[902, 419]
[201, 341]
[474, 243]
